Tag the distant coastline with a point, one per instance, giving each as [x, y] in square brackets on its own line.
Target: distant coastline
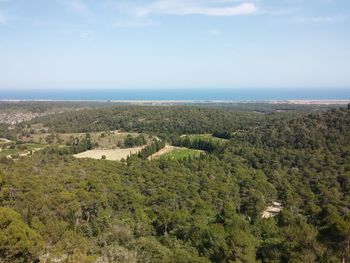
[292, 96]
[182, 102]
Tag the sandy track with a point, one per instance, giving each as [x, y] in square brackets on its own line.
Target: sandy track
[112, 155]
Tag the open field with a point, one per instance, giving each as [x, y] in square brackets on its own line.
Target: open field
[176, 153]
[181, 153]
[165, 150]
[112, 154]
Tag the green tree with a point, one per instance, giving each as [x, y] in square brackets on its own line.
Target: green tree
[18, 242]
[336, 233]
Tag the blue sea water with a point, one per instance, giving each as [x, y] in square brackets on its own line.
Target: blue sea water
[177, 94]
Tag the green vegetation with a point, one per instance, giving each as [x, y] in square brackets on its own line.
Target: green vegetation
[154, 147]
[106, 139]
[206, 137]
[164, 121]
[206, 143]
[179, 154]
[18, 242]
[6, 133]
[180, 209]
[15, 150]
[130, 141]
[223, 135]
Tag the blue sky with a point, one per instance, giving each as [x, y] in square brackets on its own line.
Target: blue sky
[62, 44]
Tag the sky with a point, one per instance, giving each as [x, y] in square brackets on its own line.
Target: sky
[170, 44]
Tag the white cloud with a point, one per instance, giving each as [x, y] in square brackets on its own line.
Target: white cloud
[278, 12]
[134, 23]
[3, 19]
[199, 7]
[77, 7]
[318, 19]
[214, 32]
[88, 35]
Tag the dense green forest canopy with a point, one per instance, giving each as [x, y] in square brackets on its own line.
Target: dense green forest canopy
[161, 120]
[167, 120]
[42, 106]
[203, 209]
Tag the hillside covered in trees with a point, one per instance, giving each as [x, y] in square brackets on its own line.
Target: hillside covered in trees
[55, 208]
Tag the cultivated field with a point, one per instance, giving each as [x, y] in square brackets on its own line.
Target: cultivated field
[182, 153]
[112, 154]
[175, 153]
[165, 150]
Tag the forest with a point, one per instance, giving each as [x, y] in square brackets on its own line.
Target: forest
[208, 208]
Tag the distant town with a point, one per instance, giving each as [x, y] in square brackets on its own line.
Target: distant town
[15, 118]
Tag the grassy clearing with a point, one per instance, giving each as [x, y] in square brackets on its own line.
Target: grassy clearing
[181, 153]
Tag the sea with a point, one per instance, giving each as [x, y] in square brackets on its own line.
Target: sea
[212, 94]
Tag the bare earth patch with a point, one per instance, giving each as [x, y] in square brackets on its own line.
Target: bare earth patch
[112, 155]
[272, 210]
